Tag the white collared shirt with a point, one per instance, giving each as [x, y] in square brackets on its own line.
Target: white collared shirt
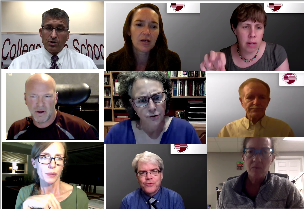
[41, 59]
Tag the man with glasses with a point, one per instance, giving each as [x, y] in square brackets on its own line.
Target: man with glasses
[148, 168]
[255, 97]
[257, 187]
[54, 33]
[45, 121]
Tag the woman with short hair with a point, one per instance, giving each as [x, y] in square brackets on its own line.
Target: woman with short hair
[250, 52]
[146, 97]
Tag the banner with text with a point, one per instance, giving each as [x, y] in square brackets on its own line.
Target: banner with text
[14, 45]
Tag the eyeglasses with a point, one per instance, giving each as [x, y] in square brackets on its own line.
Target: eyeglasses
[145, 173]
[156, 98]
[264, 152]
[58, 30]
[46, 159]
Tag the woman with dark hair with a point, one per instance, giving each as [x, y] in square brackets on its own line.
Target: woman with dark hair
[146, 97]
[250, 52]
[257, 187]
[145, 45]
[48, 192]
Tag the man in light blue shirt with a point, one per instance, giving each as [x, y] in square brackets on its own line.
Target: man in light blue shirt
[148, 169]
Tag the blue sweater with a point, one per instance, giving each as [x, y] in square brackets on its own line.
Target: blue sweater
[179, 132]
[167, 199]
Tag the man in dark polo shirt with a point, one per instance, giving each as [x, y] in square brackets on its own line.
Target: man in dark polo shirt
[45, 121]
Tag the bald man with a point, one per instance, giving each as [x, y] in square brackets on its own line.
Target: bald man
[45, 121]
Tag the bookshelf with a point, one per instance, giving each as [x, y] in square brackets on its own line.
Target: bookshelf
[178, 103]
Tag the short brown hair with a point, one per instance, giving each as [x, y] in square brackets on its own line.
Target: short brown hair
[38, 147]
[253, 80]
[248, 11]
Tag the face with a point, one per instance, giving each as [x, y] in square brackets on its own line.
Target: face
[144, 30]
[249, 35]
[150, 184]
[40, 98]
[153, 114]
[50, 173]
[54, 41]
[256, 166]
[255, 100]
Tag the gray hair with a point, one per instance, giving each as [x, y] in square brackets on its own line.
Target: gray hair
[147, 157]
[127, 80]
[56, 14]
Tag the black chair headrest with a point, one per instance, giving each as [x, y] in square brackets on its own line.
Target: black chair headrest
[72, 94]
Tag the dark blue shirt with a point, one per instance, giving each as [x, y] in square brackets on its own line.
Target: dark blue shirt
[179, 132]
[166, 199]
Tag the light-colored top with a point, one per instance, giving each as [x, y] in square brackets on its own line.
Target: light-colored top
[142, 138]
[41, 59]
[266, 127]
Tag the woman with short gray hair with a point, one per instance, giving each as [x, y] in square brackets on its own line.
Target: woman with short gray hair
[146, 96]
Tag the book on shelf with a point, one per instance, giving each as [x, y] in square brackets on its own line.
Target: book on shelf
[116, 85]
[120, 116]
[188, 88]
[107, 102]
[182, 74]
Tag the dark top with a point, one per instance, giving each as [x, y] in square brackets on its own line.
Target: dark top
[274, 55]
[166, 199]
[115, 62]
[179, 132]
[65, 126]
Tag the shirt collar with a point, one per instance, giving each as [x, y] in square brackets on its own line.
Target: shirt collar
[60, 56]
[247, 123]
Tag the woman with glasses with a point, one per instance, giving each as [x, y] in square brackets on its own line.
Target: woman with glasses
[256, 187]
[250, 52]
[48, 191]
[145, 45]
[146, 97]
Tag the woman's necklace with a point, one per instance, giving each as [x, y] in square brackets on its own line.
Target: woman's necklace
[246, 60]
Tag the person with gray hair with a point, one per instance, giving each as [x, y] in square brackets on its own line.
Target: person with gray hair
[148, 168]
[146, 96]
[255, 97]
[54, 33]
[257, 187]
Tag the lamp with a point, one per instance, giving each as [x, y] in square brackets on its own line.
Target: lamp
[14, 167]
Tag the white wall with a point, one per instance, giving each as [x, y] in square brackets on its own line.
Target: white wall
[16, 108]
[222, 165]
[26, 16]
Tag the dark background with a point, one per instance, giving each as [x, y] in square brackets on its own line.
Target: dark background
[85, 165]
[284, 29]
[184, 174]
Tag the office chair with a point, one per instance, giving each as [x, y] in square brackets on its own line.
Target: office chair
[71, 96]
